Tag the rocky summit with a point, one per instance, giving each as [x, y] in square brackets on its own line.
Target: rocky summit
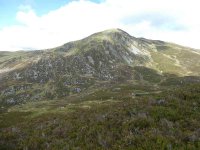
[109, 90]
[111, 56]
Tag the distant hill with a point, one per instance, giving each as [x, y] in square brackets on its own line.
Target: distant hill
[112, 56]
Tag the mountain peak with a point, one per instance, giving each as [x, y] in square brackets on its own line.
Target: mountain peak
[112, 31]
[115, 31]
[112, 35]
[110, 56]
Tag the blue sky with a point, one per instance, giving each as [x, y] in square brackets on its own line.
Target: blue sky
[9, 8]
[41, 24]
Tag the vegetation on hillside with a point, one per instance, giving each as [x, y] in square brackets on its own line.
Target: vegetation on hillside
[107, 91]
[103, 120]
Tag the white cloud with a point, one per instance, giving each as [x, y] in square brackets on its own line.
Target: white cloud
[169, 20]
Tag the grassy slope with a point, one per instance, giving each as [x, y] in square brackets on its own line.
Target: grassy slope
[127, 116]
[107, 119]
[175, 59]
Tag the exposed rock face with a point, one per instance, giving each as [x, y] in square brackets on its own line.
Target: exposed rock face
[110, 55]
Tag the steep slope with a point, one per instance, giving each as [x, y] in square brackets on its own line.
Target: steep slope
[176, 59]
[112, 56]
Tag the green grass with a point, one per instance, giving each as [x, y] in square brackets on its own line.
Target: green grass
[99, 122]
[165, 64]
[188, 60]
[139, 108]
[148, 74]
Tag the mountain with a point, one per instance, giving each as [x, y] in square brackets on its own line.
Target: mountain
[107, 91]
[111, 56]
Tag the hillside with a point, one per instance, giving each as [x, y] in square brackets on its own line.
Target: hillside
[111, 56]
[109, 90]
